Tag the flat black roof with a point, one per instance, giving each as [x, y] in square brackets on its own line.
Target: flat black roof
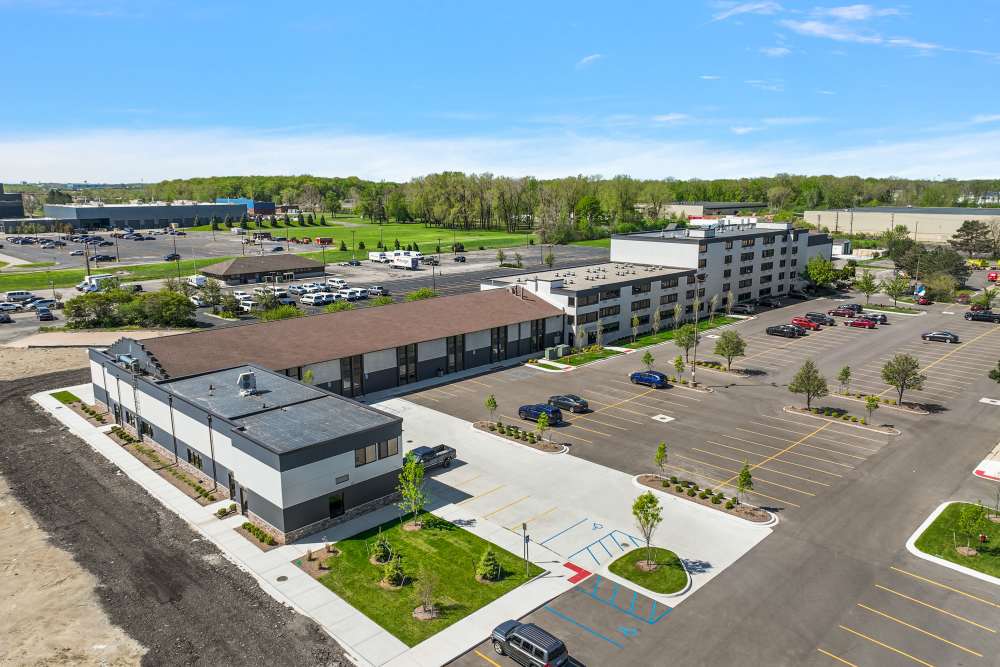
[915, 210]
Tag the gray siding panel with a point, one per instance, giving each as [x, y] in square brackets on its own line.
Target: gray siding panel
[379, 380]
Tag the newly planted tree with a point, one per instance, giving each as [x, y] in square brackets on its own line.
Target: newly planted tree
[660, 458]
[411, 487]
[491, 405]
[730, 302]
[866, 284]
[427, 585]
[972, 521]
[489, 568]
[679, 365]
[542, 425]
[871, 405]
[678, 316]
[648, 360]
[656, 323]
[635, 326]
[730, 345]
[713, 304]
[844, 378]
[744, 481]
[684, 338]
[648, 515]
[809, 383]
[903, 372]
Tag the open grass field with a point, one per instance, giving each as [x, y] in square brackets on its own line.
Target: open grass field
[40, 280]
[443, 550]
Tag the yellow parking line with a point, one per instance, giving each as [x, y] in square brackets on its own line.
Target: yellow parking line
[716, 484]
[782, 461]
[843, 433]
[758, 479]
[784, 439]
[818, 437]
[501, 509]
[584, 428]
[785, 450]
[478, 382]
[930, 606]
[836, 657]
[886, 646]
[945, 356]
[805, 456]
[920, 630]
[534, 518]
[945, 586]
[575, 417]
[464, 482]
[481, 495]
[487, 659]
[779, 472]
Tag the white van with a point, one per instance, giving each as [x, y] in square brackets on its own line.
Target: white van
[197, 281]
[339, 283]
[93, 282]
[314, 299]
[359, 292]
[379, 256]
[18, 296]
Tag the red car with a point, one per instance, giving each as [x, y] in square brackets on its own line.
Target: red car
[864, 324]
[924, 301]
[841, 312]
[992, 276]
[805, 323]
[977, 307]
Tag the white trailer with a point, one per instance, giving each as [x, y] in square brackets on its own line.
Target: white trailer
[380, 257]
[403, 262]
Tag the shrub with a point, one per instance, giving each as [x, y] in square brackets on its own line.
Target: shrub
[684, 381]
[703, 495]
[673, 479]
[665, 483]
[716, 500]
[694, 486]
[730, 504]
[492, 426]
[845, 417]
[815, 411]
[679, 489]
[489, 567]
[720, 495]
[258, 532]
[691, 493]
[393, 571]
[863, 421]
[854, 419]
[223, 512]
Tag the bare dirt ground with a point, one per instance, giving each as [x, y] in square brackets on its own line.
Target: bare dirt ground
[21, 363]
[101, 572]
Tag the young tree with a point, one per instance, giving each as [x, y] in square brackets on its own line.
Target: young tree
[308, 376]
[730, 302]
[678, 316]
[542, 425]
[517, 259]
[994, 374]
[427, 585]
[550, 259]
[986, 297]
[684, 338]
[501, 256]
[730, 345]
[489, 568]
[679, 365]
[713, 304]
[656, 322]
[744, 481]
[648, 360]
[600, 334]
[903, 372]
[895, 287]
[820, 272]
[844, 378]
[871, 405]
[411, 487]
[228, 305]
[635, 326]
[660, 458]
[866, 284]
[648, 515]
[491, 405]
[808, 382]
[972, 521]
[580, 337]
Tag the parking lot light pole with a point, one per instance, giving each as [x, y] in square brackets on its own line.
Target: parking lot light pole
[524, 535]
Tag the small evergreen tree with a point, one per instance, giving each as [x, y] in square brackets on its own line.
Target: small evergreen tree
[489, 568]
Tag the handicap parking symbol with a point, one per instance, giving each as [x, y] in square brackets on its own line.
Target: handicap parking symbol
[597, 526]
[627, 632]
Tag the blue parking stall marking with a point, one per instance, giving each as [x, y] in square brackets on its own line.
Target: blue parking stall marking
[651, 618]
[564, 530]
[628, 632]
[587, 628]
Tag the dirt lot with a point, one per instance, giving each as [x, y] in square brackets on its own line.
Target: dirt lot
[21, 363]
[139, 571]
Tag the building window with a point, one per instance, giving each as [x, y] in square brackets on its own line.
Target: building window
[765, 280]
[746, 283]
[571, 301]
[194, 458]
[701, 277]
[689, 294]
[746, 243]
[365, 455]
[727, 273]
[607, 295]
[728, 259]
[643, 320]
[640, 305]
[667, 283]
[668, 298]
[781, 288]
[767, 253]
[784, 251]
[456, 353]
[768, 240]
[498, 343]
[702, 263]
[611, 327]
[690, 280]
[336, 504]
[388, 448]
[341, 479]
[588, 300]
[743, 296]
[689, 309]
[570, 319]
[726, 286]
[764, 291]
[782, 263]
[145, 428]
[608, 311]
[729, 244]
[767, 266]
[702, 247]
[781, 276]
[641, 289]
[352, 376]
[587, 318]
[701, 292]
[746, 257]
[406, 360]
[795, 250]
[744, 270]
[795, 262]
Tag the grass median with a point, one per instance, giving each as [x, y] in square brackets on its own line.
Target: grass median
[668, 577]
[587, 356]
[663, 336]
[944, 534]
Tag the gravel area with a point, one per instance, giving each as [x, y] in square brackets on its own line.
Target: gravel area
[171, 592]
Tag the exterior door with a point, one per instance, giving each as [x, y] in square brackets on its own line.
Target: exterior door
[244, 501]
[351, 376]
[232, 486]
[336, 504]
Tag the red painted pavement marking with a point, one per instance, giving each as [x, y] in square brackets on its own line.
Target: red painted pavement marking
[580, 575]
[982, 473]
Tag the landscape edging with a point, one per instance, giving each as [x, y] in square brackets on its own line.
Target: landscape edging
[911, 546]
[764, 524]
[565, 449]
[628, 583]
[791, 409]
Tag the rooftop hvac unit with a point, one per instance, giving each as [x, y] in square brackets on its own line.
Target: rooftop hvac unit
[247, 383]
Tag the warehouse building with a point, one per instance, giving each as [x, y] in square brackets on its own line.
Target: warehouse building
[294, 458]
[144, 216]
[359, 352]
[254, 208]
[700, 209]
[260, 268]
[926, 225]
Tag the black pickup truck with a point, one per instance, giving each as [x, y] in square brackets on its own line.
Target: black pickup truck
[431, 457]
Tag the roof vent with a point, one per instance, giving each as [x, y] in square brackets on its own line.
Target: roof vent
[247, 382]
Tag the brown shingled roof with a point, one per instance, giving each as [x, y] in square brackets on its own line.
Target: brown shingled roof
[308, 340]
[260, 264]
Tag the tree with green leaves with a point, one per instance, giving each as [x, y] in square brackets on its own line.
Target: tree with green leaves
[550, 259]
[994, 373]
[542, 425]
[410, 487]
[648, 360]
[809, 382]
[730, 302]
[660, 458]
[940, 287]
[820, 271]
[501, 256]
[491, 405]
[895, 287]
[972, 238]
[648, 515]
[679, 365]
[730, 345]
[656, 322]
[744, 481]
[308, 376]
[972, 521]
[713, 304]
[420, 294]
[871, 405]
[211, 292]
[338, 306]
[986, 297]
[634, 322]
[678, 316]
[844, 378]
[866, 284]
[600, 334]
[684, 338]
[229, 306]
[489, 568]
[903, 372]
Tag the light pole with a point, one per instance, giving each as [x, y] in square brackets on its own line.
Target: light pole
[352, 244]
[177, 258]
[433, 278]
[524, 536]
[694, 362]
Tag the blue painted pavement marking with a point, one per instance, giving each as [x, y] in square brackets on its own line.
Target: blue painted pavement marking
[587, 628]
[656, 611]
[565, 530]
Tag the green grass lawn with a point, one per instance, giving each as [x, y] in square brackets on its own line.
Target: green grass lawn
[65, 397]
[594, 243]
[542, 364]
[37, 280]
[939, 540]
[663, 336]
[32, 265]
[581, 358]
[669, 577]
[893, 309]
[446, 550]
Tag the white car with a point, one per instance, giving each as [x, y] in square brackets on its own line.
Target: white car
[240, 295]
[339, 283]
[299, 289]
[198, 301]
[316, 299]
[347, 294]
[76, 253]
[9, 307]
[312, 288]
[376, 290]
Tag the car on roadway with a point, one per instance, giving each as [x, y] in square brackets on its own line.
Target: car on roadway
[76, 253]
[570, 402]
[943, 336]
[983, 316]
[178, 232]
[861, 323]
[654, 379]
[529, 645]
[805, 323]
[171, 257]
[44, 315]
[105, 244]
[429, 259]
[198, 301]
[924, 301]
[103, 258]
[743, 309]
[277, 248]
[354, 262]
[821, 318]
[785, 330]
[841, 311]
[533, 411]
[458, 258]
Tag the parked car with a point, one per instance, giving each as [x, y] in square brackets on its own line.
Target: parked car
[924, 301]
[76, 253]
[840, 311]
[856, 307]
[239, 295]
[820, 318]
[743, 309]
[103, 258]
[992, 276]
[943, 336]
[430, 259]
[277, 248]
[135, 288]
[527, 644]
[44, 315]
[105, 244]
[458, 258]
[962, 298]
[315, 299]
[354, 262]
[9, 307]
[796, 294]
[650, 379]
[298, 289]
[978, 307]
[769, 302]
[20, 296]
[430, 457]
[570, 402]
[198, 301]
[983, 316]
[377, 290]
[806, 323]
[171, 257]
[878, 318]
[786, 330]
[42, 304]
[339, 283]
[861, 323]
[532, 411]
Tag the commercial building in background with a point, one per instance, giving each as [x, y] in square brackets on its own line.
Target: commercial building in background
[294, 458]
[698, 209]
[260, 268]
[926, 225]
[11, 204]
[254, 208]
[143, 216]
[360, 352]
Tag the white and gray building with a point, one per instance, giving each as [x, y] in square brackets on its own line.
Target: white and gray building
[144, 216]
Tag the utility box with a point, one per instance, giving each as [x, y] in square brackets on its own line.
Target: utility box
[551, 354]
[563, 350]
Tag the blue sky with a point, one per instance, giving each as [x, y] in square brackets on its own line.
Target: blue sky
[110, 90]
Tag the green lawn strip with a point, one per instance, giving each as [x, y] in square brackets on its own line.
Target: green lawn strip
[542, 364]
[581, 358]
[669, 577]
[594, 243]
[69, 277]
[31, 265]
[446, 550]
[65, 397]
[939, 540]
[893, 309]
[663, 336]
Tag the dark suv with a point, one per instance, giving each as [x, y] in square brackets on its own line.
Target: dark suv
[570, 402]
[820, 318]
[528, 645]
[650, 379]
[533, 411]
[786, 330]
[983, 316]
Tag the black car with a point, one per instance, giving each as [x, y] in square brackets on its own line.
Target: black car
[821, 318]
[879, 318]
[105, 243]
[170, 257]
[433, 261]
[529, 645]
[769, 302]
[856, 307]
[796, 294]
[786, 330]
[570, 402]
[277, 248]
[103, 258]
[5, 318]
[458, 258]
[44, 315]
[983, 316]
[354, 262]
[943, 336]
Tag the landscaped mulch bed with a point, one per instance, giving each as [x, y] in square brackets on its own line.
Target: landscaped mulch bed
[889, 430]
[163, 469]
[315, 567]
[747, 512]
[906, 406]
[254, 541]
[546, 446]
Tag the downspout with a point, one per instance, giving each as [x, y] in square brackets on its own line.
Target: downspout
[211, 448]
[107, 394]
[173, 433]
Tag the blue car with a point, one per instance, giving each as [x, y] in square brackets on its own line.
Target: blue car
[650, 379]
[532, 412]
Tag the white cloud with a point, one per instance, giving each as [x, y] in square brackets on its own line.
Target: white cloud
[986, 118]
[130, 156]
[729, 10]
[671, 117]
[742, 129]
[774, 86]
[710, 77]
[775, 51]
[828, 30]
[825, 92]
[913, 44]
[785, 121]
[589, 60]
[855, 12]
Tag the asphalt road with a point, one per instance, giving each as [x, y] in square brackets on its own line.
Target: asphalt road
[171, 591]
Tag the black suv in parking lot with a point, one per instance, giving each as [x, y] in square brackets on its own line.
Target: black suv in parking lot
[529, 645]
[570, 402]
[786, 330]
[821, 318]
[983, 316]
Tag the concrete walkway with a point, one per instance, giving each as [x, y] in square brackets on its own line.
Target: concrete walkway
[89, 338]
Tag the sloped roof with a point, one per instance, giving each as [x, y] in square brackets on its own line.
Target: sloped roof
[260, 264]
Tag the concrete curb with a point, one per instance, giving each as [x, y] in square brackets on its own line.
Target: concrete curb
[565, 368]
[795, 411]
[893, 312]
[565, 449]
[606, 572]
[911, 546]
[883, 405]
[773, 521]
